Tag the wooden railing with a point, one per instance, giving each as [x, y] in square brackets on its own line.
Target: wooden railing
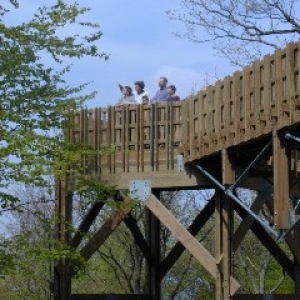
[244, 106]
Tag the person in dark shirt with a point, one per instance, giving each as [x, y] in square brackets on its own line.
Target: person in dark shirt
[171, 90]
[161, 95]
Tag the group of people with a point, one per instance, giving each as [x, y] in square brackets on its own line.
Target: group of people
[140, 96]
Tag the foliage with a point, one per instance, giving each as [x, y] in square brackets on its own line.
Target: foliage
[31, 249]
[36, 101]
[257, 271]
[240, 30]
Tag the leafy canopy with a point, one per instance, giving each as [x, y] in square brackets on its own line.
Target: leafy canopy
[35, 99]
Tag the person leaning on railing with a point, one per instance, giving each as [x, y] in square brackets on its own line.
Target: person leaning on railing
[127, 98]
[171, 89]
[145, 100]
[162, 94]
[139, 92]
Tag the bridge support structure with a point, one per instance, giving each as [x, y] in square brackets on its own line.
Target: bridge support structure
[266, 168]
[243, 132]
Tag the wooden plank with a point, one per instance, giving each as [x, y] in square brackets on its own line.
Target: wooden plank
[218, 245]
[153, 136]
[109, 134]
[193, 229]
[106, 230]
[227, 108]
[64, 208]
[190, 243]
[223, 230]
[296, 244]
[138, 141]
[228, 174]
[125, 138]
[266, 240]
[131, 224]
[153, 277]
[281, 183]
[86, 223]
[142, 136]
[160, 179]
[246, 224]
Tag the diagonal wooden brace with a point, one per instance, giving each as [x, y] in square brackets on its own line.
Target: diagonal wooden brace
[187, 240]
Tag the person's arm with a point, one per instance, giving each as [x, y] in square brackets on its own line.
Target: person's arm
[120, 87]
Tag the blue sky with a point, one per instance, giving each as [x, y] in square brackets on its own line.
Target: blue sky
[139, 37]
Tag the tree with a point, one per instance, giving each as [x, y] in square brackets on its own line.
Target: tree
[35, 99]
[241, 30]
[29, 247]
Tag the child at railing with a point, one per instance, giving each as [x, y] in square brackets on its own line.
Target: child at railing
[171, 94]
[145, 100]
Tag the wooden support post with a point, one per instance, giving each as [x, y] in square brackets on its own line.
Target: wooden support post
[153, 268]
[223, 246]
[63, 203]
[223, 235]
[281, 183]
[296, 261]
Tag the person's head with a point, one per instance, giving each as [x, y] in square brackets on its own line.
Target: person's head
[139, 86]
[145, 100]
[171, 90]
[127, 90]
[162, 82]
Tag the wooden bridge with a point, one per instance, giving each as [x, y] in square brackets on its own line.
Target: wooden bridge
[240, 132]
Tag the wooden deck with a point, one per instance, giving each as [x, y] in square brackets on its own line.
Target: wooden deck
[146, 140]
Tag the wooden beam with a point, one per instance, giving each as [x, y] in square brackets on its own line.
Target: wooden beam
[86, 223]
[131, 224]
[153, 268]
[218, 245]
[269, 243]
[281, 165]
[190, 243]
[193, 229]
[247, 222]
[223, 231]
[228, 174]
[297, 248]
[63, 207]
[106, 230]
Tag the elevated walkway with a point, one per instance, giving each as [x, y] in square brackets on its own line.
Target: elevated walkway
[241, 131]
[241, 110]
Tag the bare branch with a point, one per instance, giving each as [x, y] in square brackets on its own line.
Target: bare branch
[264, 23]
